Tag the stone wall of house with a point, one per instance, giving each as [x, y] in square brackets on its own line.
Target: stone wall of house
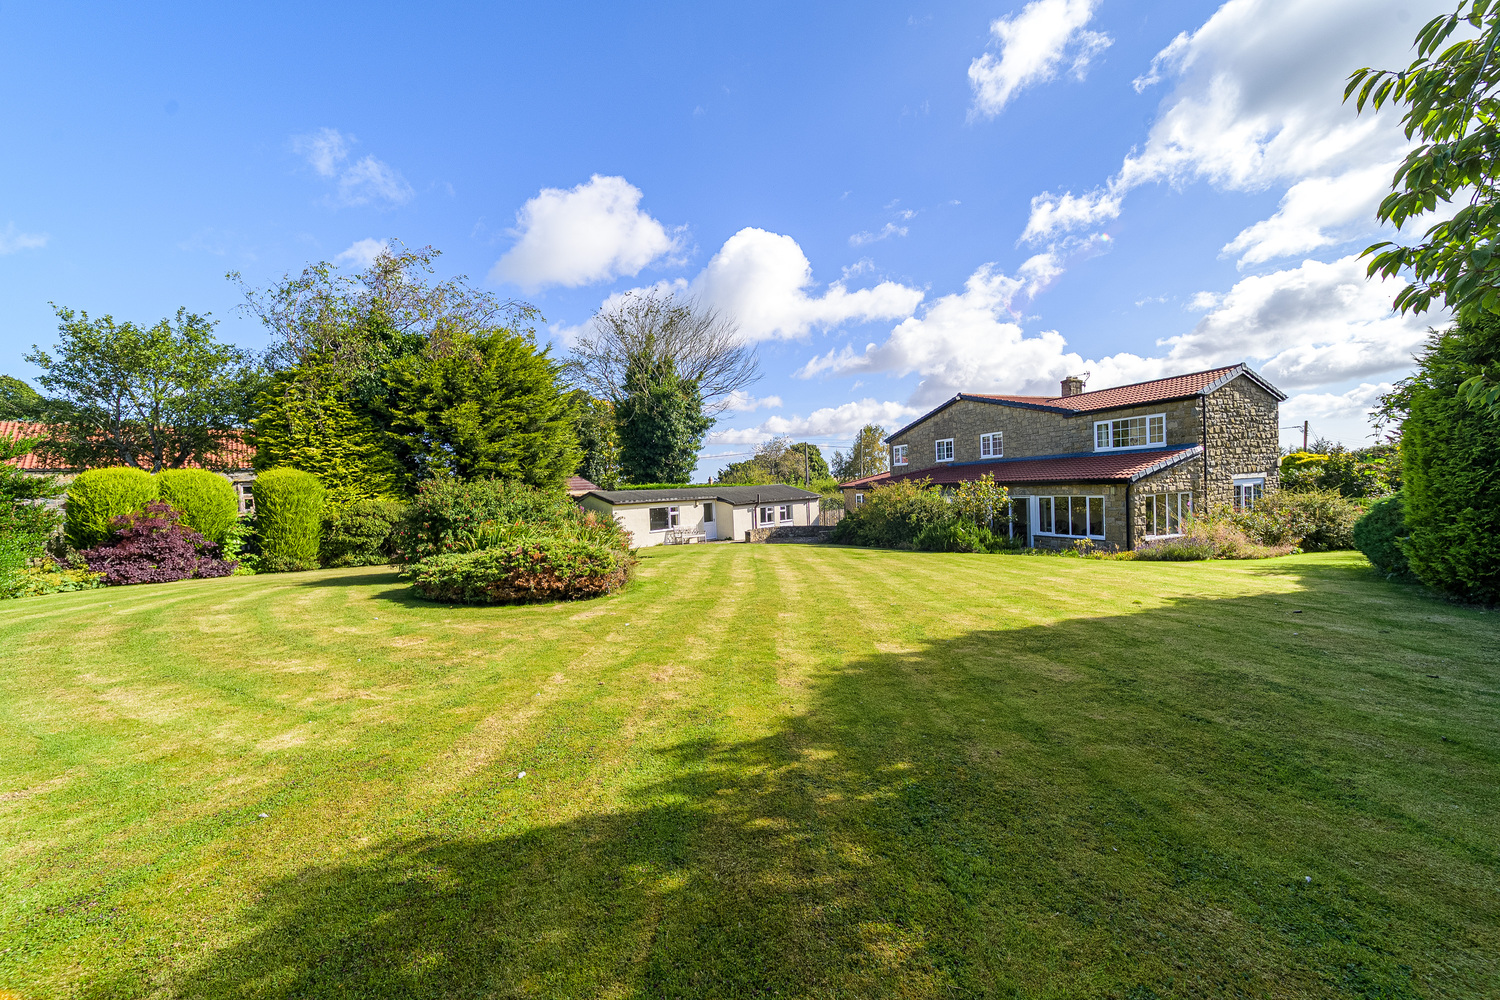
[1029, 432]
[1242, 438]
[1184, 477]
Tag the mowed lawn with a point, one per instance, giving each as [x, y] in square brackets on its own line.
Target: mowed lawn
[760, 771]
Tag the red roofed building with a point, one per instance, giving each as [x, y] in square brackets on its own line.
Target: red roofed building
[1117, 466]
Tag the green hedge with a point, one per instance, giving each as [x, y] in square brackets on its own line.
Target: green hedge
[1378, 535]
[289, 516]
[205, 498]
[448, 515]
[568, 563]
[98, 496]
[361, 533]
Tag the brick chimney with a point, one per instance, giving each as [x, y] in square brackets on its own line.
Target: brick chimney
[1072, 385]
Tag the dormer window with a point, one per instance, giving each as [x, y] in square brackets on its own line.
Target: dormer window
[898, 454]
[1130, 432]
[945, 450]
[991, 445]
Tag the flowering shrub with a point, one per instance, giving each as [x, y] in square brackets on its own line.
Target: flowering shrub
[1214, 535]
[523, 563]
[154, 546]
[48, 578]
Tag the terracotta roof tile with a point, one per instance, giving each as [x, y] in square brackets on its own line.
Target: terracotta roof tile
[1154, 391]
[1087, 467]
[237, 455]
[578, 486]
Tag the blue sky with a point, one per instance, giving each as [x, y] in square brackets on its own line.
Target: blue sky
[897, 202]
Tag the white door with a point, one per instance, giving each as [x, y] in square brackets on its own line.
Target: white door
[710, 526]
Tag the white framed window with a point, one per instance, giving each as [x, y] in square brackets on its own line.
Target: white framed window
[1247, 490]
[767, 517]
[898, 454]
[991, 445]
[859, 499]
[1073, 517]
[784, 513]
[663, 518]
[1165, 512]
[1130, 432]
[945, 450]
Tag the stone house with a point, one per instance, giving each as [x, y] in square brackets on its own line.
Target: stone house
[1117, 466]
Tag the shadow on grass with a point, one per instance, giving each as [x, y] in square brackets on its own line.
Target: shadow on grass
[1092, 808]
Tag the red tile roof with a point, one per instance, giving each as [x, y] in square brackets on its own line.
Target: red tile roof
[1155, 391]
[236, 455]
[1104, 467]
[578, 486]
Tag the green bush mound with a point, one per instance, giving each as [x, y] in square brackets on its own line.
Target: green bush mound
[98, 496]
[588, 557]
[48, 578]
[206, 500]
[962, 536]
[1313, 520]
[361, 534]
[289, 519]
[894, 516]
[451, 516]
[1378, 535]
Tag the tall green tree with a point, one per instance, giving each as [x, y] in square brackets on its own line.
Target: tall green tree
[661, 423]
[1451, 92]
[19, 401]
[481, 405]
[778, 460]
[307, 421]
[867, 455]
[598, 440]
[1450, 457]
[151, 397]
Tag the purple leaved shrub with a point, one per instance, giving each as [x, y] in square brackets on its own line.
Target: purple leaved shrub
[154, 546]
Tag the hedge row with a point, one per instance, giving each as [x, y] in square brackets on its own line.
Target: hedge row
[560, 565]
[96, 498]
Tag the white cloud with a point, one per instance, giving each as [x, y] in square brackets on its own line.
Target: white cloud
[1033, 45]
[12, 239]
[1258, 104]
[764, 282]
[1315, 324]
[361, 253]
[830, 421]
[740, 401]
[1341, 417]
[365, 181]
[590, 233]
[888, 230]
[1317, 212]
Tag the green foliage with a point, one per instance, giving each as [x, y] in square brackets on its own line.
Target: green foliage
[1452, 98]
[19, 401]
[598, 440]
[360, 534]
[981, 502]
[206, 499]
[521, 563]
[1364, 472]
[1379, 535]
[306, 421]
[965, 536]
[151, 398]
[1450, 454]
[26, 522]
[239, 547]
[448, 515]
[47, 578]
[778, 460]
[661, 424]
[98, 496]
[662, 486]
[894, 515]
[289, 516]
[485, 404]
[1317, 521]
[868, 455]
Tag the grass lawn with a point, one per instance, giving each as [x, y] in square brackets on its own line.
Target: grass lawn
[760, 771]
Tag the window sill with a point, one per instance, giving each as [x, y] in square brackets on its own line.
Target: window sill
[1134, 447]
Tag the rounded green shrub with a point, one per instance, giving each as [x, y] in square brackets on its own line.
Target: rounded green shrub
[289, 515]
[360, 533]
[1378, 535]
[206, 499]
[98, 496]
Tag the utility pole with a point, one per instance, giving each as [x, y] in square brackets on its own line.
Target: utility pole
[1304, 435]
